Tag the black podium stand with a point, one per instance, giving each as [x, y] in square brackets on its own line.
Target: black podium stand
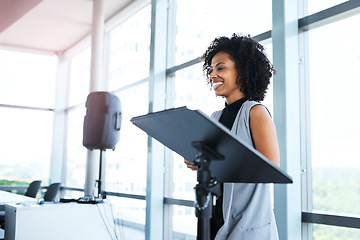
[219, 155]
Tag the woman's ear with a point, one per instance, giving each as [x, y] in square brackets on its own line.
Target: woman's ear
[238, 80]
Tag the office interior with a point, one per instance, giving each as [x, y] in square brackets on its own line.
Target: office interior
[53, 53]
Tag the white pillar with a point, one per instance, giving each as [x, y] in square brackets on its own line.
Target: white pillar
[58, 166]
[287, 116]
[157, 88]
[96, 84]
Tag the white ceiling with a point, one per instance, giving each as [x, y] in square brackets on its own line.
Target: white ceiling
[49, 26]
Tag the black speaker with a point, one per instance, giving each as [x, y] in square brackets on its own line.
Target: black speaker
[102, 121]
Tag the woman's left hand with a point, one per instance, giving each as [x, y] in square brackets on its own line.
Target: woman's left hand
[189, 165]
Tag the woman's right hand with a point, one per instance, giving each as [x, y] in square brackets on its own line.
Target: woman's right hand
[189, 165]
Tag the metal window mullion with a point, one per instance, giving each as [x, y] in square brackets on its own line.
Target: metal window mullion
[305, 131]
[170, 99]
[331, 219]
[179, 202]
[343, 10]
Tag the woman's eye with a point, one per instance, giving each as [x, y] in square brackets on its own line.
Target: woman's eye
[220, 68]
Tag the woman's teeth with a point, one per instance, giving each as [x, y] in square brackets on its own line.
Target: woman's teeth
[217, 84]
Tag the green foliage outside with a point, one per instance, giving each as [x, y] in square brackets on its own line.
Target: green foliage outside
[7, 182]
[336, 190]
[322, 232]
[15, 183]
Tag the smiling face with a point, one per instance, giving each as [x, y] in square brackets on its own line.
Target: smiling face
[223, 76]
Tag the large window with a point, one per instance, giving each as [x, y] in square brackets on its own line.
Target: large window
[26, 144]
[76, 152]
[27, 79]
[26, 98]
[334, 59]
[319, 5]
[197, 24]
[128, 72]
[78, 91]
[79, 77]
[126, 166]
[129, 50]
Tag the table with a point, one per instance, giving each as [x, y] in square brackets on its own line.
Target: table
[8, 197]
[59, 221]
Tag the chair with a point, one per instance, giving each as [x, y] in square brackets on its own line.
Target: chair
[2, 220]
[33, 189]
[51, 192]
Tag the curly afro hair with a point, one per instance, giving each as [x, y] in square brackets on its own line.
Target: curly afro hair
[253, 67]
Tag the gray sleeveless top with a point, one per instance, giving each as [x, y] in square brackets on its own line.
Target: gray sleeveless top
[247, 208]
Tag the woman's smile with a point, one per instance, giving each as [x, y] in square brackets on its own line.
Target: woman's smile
[223, 75]
[217, 85]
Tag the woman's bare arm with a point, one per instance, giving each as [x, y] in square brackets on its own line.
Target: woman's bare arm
[264, 133]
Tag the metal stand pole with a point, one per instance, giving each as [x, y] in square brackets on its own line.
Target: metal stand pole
[99, 180]
[204, 202]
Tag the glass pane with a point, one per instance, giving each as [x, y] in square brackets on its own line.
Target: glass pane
[335, 116]
[126, 166]
[198, 96]
[25, 144]
[80, 77]
[319, 5]
[27, 79]
[76, 152]
[129, 214]
[184, 223]
[324, 232]
[69, 194]
[130, 53]
[199, 22]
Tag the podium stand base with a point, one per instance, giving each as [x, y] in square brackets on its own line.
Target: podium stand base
[90, 200]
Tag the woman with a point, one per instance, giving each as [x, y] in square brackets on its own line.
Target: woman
[238, 70]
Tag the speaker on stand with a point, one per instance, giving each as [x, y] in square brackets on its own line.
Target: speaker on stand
[101, 131]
